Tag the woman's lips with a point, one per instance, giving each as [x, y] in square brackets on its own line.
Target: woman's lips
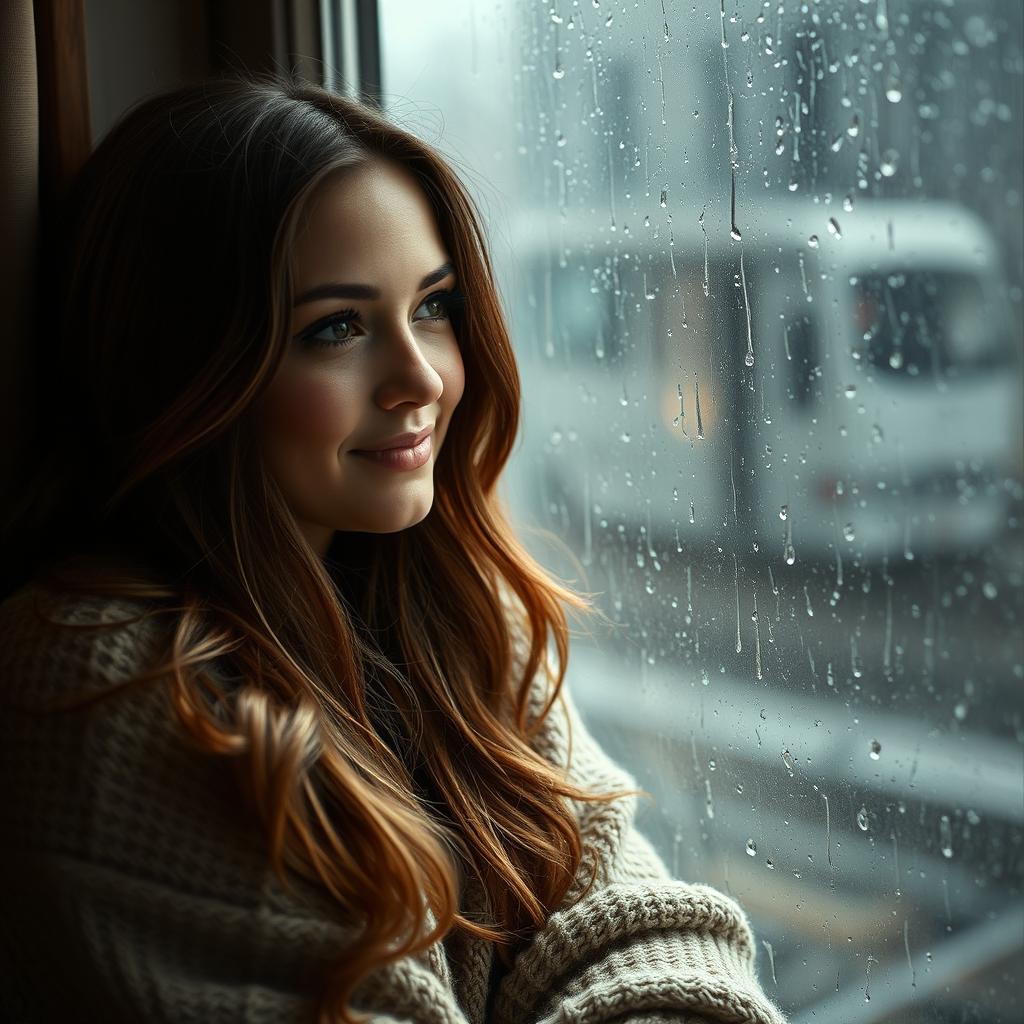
[401, 458]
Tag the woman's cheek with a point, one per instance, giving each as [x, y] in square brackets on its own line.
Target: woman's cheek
[309, 405]
[453, 374]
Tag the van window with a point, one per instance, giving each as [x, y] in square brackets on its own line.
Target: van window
[569, 312]
[917, 323]
[801, 350]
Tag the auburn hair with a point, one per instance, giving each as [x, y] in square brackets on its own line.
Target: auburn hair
[173, 273]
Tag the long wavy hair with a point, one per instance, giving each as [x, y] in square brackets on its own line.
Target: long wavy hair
[173, 276]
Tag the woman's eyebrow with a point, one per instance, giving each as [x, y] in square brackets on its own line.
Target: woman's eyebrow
[365, 291]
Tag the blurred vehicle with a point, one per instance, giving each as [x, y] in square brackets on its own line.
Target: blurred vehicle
[827, 384]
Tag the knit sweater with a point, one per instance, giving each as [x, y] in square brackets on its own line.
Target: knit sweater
[136, 891]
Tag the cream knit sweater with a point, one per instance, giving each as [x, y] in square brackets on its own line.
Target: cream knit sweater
[136, 892]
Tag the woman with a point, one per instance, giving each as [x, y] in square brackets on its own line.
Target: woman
[280, 732]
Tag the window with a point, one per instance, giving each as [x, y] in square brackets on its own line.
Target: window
[924, 321]
[763, 266]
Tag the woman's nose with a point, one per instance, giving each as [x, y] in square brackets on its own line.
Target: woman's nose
[405, 372]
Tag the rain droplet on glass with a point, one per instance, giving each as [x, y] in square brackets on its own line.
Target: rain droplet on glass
[945, 836]
[889, 162]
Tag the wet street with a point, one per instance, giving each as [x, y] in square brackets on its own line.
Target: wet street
[843, 760]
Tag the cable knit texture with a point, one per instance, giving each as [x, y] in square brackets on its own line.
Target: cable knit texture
[138, 890]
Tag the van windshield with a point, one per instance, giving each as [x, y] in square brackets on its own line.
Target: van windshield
[919, 323]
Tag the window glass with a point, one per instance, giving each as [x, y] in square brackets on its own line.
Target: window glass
[763, 267]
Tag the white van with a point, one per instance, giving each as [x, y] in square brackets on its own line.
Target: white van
[831, 382]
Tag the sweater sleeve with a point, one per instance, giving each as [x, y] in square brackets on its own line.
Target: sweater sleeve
[137, 890]
[639, 947]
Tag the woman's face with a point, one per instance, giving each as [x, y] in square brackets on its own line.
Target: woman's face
[373, 355]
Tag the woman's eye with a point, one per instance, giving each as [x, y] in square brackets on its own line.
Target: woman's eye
[336, 330]
[443, 303]
[332, 330]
